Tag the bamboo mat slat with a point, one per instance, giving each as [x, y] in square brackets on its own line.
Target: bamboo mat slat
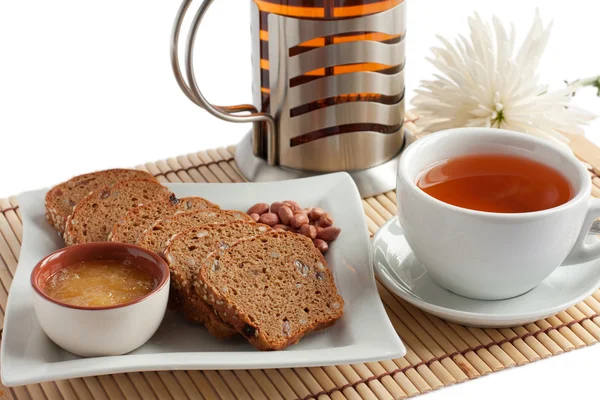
[439, 353]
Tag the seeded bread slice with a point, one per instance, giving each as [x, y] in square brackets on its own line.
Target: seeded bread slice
[137, 220]
[94, 217]
[156, 237]
[184, 255]
[61, 199]
[273, 289]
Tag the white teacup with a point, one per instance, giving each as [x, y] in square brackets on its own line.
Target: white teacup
[492, 256]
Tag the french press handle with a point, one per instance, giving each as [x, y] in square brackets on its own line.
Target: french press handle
[192, 91]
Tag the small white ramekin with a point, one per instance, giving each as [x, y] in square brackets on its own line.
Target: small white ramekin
[101, 331]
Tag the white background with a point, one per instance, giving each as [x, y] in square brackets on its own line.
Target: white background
[87, 85]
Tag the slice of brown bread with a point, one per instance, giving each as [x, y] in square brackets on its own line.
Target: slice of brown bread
[185, 253]
[61, 199]
[137, 220]
[273, 289]
[156, 237]
[94, 217]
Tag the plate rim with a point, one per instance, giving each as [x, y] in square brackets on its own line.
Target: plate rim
[458, 315]
[360, 351]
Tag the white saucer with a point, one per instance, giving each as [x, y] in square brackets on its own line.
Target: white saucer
[398, 269]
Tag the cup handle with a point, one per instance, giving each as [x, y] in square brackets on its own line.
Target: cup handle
[583, 252]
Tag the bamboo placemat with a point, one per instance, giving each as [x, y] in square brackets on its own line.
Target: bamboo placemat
[439, 353]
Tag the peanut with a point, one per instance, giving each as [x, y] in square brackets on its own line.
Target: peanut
[304, 212]
[292, 204]
[255, 217]
[282, 227]
[269, 219]
[275, 207]
[298, 220]
[325, 220]
[330, 233]
[315, 213]
[285, 214]
[260, 209]
[308, 231]
[321, 245]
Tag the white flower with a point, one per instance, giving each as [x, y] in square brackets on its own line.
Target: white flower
[483, 83]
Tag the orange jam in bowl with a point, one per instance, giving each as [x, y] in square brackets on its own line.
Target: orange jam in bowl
[99, 283]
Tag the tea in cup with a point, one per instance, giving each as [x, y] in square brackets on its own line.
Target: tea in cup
[492, 213]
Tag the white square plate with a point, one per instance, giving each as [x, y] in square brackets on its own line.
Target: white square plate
[363, 334]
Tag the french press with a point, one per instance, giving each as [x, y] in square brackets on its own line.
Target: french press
[328, 89]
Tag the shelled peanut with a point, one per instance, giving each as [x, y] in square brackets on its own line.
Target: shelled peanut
[313, 222]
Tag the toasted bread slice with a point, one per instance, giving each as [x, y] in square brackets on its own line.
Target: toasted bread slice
[94, 217]
[137, 220]
[61, 199]
[273, 289]
[156, 237]
[185, 253]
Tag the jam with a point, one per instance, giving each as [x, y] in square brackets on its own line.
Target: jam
[99, 283]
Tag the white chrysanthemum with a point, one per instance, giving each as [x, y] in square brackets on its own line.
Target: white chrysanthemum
[483, 83]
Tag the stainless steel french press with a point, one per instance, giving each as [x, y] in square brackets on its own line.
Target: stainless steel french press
[328, 89]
